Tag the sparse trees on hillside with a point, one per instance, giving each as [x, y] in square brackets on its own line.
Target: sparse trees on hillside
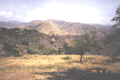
[117, 17]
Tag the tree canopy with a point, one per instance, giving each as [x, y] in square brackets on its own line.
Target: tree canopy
[117, 17]
[84, 44]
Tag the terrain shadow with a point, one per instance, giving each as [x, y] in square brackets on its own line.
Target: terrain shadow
[77, 74]
[113, 60]
[108, 61]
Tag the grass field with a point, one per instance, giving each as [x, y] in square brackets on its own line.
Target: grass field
[49, 67]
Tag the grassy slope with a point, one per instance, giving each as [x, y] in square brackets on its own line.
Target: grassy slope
[33, 64]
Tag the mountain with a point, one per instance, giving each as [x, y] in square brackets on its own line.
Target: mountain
[58, 32]
[53, 26]
[11, 24]
[81, 28]
[46, 27]
[66, 28]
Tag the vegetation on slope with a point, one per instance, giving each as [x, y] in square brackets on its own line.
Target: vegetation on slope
[16, 42]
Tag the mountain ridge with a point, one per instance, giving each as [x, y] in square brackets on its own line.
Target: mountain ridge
[60, 27]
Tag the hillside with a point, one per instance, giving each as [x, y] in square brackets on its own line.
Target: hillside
[81, 28]
[11, 24]
[66, 28]
[110, 44]
[46, 27]
[53, 26]
[24, 41]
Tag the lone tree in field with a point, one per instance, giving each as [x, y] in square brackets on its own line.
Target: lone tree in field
[84, 44]
[117, 17]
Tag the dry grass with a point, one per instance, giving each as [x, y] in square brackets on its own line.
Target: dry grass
[42, 63]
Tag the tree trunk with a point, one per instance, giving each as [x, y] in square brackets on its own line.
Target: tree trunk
[81, 59]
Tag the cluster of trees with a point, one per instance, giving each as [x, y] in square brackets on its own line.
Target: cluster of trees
[25, 33]
[31, 34]
[11, 50]
[14, 32]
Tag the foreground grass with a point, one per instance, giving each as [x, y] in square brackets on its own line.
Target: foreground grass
[54, 63]
[43, 67]
[16, 68]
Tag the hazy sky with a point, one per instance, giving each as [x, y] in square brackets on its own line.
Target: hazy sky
[83, 11]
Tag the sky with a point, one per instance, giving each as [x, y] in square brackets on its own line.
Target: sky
[83, 11]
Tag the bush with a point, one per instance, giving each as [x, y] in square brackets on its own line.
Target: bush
[67, 49]
[8, 47]
[8, 54]
[33, 34]
[66, 58]
[48, 51]
[25, 43]
[10, 50]
[4, 30]
[29, 51]
[60, 50]
[41, 46]
[15, 52]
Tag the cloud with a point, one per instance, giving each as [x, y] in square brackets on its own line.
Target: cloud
[3, 13]
[18, 16]
[6, 14]
[71, 12]
[9, 14]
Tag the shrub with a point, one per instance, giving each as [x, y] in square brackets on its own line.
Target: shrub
[52, 51]
[41, 46]
[29, 51]
[48, 51]
[66, 58]
[60, 50]
[15, 52]
[25, 43]
[8, 47]
[8, 54]
[4, 30]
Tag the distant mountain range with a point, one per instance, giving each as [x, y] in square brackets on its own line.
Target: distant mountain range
[11, 24]
[53, 26]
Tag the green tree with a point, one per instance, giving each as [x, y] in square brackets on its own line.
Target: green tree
[67, 49]
[60, 50]
[84, 44]
[117, 17]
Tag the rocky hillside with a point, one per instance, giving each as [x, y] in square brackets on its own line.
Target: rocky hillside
[46, 27]
[80, 28]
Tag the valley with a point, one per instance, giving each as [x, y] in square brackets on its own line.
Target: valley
[36, 51]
